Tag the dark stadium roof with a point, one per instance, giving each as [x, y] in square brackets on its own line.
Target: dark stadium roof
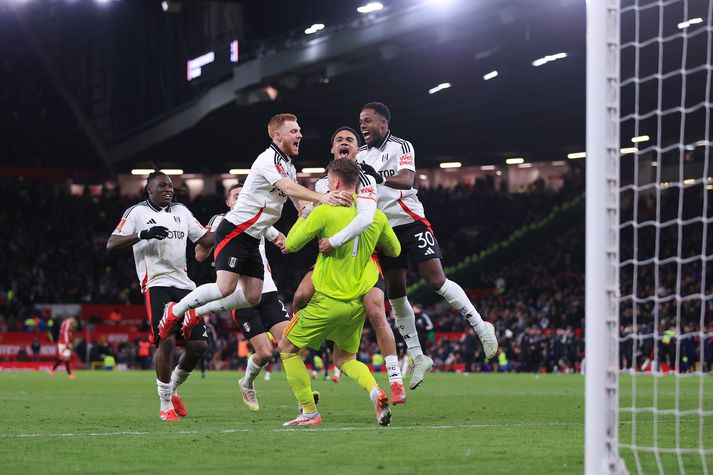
[122, 65]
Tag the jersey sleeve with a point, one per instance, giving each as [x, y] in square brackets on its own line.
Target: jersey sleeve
[322, 185]
[195, 228]
[127, 225]
[304, 230]
[271, 234]
[407, 157]
[270, 168]
[214, 222]
[388, 242]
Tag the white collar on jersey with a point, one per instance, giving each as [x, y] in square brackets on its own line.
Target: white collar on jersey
[386, 139]
[279, 152]
[166, 208]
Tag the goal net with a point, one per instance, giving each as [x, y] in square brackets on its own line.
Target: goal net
[649, 353]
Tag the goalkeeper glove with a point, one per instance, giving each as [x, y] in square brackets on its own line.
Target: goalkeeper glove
[155, 232]
[369, 170]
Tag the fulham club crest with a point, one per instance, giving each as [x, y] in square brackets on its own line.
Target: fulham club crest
[232, 262]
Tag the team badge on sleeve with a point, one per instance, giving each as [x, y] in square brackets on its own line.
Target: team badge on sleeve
[121, 224]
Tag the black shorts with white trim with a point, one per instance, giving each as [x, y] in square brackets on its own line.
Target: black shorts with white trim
[262, 317]
[418, 244]
[156, 299]
[237, 251]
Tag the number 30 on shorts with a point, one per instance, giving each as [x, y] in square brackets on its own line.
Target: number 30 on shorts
[425, 239]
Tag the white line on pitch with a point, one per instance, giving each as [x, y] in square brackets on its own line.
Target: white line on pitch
[312, 430]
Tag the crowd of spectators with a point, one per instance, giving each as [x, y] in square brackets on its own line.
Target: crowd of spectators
[55, 252]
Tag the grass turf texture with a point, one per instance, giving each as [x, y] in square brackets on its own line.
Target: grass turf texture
[106, 422]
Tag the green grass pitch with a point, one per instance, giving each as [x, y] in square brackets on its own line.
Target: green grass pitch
[107, 422]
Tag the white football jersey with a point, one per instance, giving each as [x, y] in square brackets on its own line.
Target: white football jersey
[392, 156]
[268, 284]
[161, 263]
[260, 203]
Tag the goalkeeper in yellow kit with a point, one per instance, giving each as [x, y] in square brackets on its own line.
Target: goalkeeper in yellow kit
[336, 312]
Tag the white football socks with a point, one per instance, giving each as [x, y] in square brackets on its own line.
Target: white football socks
[393, 369]
[252, 371]
[165, 392]
[406, 323]
[200, 296]
[178, 376]
[235, 300]
[456, 297]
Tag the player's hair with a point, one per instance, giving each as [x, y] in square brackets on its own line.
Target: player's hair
[345, 169]
[344, 127]
[237, 185]
[277, 121]
[155, 174]
[380, 108]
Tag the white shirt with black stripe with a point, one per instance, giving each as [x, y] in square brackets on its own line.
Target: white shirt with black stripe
[389, 158]
[161, 263]
[260, 203]
[268, 284]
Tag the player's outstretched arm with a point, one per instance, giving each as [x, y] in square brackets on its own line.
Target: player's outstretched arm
[304, 230]
[298, 192]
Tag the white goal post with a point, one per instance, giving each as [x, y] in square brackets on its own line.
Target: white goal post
[602, 239]
[649, 237]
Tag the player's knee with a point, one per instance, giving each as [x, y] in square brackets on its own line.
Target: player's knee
[197, 347]
[435, 281]
[226, 287]
[254, 298]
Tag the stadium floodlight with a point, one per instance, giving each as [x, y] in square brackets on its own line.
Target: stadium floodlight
[640, 138]
[370, 7]
[490, 75]
[239, 171]
[487, 167]
[451, 165]
[628, 150]
[142, 171]
[702, 143]
[654, 164]
[693, 21]
[313, 170]
[148, 171]
[514, 160]
[576, 155]
[314, 28]
[548, 59]
[689, 181]
[525, 165]
[164, 5]
[439, 88]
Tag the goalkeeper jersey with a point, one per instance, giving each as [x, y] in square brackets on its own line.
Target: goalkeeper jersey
[347, 272]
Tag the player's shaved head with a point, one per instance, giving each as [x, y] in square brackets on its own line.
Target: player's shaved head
[380, 108]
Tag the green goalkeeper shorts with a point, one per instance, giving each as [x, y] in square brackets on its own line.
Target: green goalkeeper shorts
[325, 318]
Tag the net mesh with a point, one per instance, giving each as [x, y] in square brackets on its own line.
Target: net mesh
[666, 261]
